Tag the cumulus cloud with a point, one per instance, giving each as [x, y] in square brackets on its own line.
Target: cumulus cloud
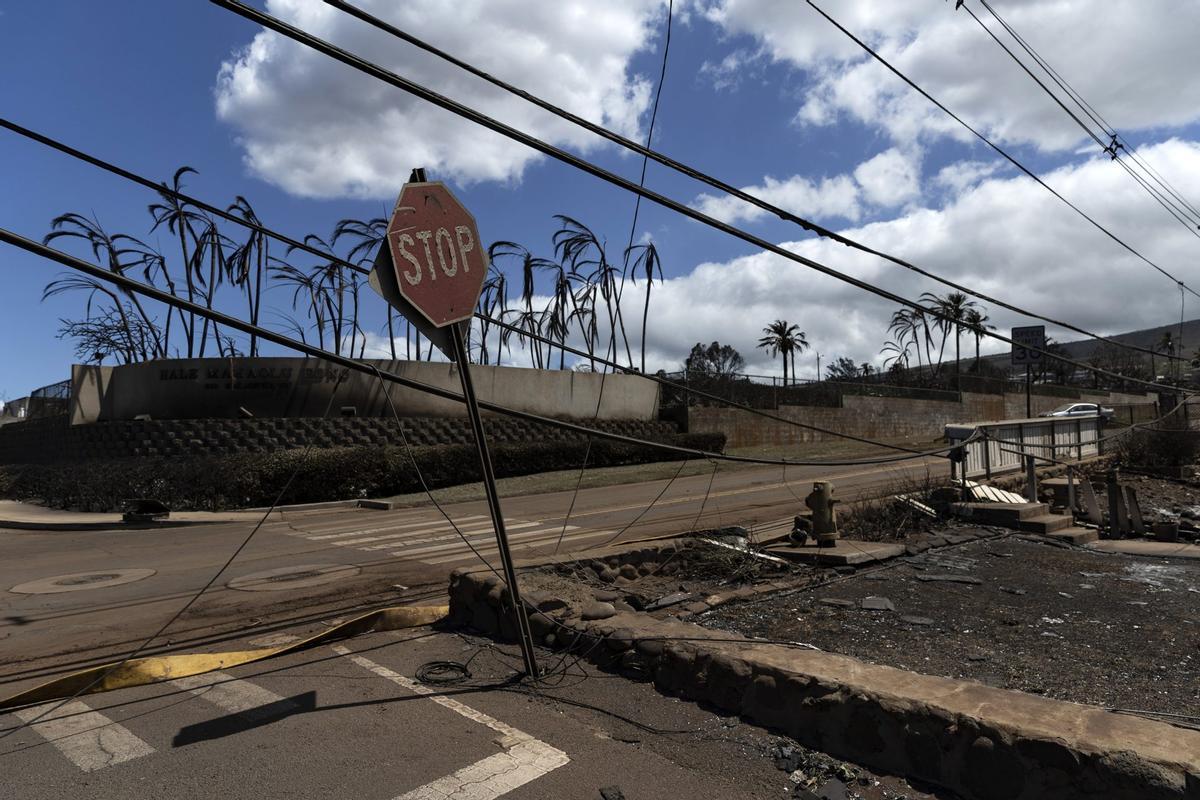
[890, 178]
[828, 197]
[320, 129]
[962, 174]
[1100, 54]
[886, 180]
[1005, 236]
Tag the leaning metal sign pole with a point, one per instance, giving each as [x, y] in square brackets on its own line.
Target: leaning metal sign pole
[1028, 344]
[431, 268]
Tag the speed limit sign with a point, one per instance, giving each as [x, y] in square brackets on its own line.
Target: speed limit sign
[1028, 344]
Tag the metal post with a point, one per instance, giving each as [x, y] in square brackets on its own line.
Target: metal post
[493, 498]
[1030, 480]
[1071, 504]
[1028, 393]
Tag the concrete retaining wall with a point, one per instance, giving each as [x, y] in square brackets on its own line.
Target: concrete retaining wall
[205, 388]
[41, 441]
[983, 743]
[885, 418]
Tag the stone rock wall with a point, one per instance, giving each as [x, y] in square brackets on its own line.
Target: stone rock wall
[53, 439]
[983, 743]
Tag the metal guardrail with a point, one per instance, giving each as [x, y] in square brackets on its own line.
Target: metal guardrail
[1004, 443]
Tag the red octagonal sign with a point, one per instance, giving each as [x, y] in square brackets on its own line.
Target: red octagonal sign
[440, 264]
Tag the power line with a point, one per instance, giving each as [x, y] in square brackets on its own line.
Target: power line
[688, 171]
[235, 323]
[161, 188]
[583, 165]
[1004, 153]
[121, 172]
[1091, 112]
[1111, 148]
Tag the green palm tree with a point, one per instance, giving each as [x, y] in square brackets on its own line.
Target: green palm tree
[783, 338]
[977, 324]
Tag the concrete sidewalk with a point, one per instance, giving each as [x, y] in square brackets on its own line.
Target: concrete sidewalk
[29, 516]
[1144, 547]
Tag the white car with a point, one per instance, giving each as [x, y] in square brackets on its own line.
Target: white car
[1080, 410]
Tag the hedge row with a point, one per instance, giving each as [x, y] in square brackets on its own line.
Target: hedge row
[239, 481]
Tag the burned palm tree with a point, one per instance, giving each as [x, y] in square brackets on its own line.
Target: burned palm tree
[366, 237]
[648, 264]
[181, 221]
[110, 252]
[248, 262]
[578, 248]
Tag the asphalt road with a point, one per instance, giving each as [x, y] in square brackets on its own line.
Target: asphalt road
[349, 721]
[304, 566]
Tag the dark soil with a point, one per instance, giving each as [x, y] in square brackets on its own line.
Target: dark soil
[1075, 625]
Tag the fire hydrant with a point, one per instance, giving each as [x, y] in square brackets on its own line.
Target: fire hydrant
[824, 518]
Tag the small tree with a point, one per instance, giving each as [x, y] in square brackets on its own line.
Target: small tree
[720, 361]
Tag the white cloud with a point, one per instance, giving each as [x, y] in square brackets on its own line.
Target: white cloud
[1134, 61]
[890, 178]
[320, 129]
[963, 174]
[1006, 236]
[829, 197]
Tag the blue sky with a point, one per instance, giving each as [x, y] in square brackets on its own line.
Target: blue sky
[761, 94]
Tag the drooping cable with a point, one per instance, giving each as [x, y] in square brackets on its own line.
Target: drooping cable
[192, 598]
[1092, 113]
[997, 148]
[637, 205]
[1166, 202]
[690, 172]
[423, 92]
[154, 293]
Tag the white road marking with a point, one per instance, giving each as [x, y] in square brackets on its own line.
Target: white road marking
[524, 759]
[465, 529]
[320, 534]
[455, 543]
[493, 550]
[231, 694]
[88, 738]
[487, 530]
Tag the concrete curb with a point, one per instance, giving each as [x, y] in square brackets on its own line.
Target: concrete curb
[984, 743]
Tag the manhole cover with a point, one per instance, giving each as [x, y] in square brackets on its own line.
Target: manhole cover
[298, 577]
[78, 581]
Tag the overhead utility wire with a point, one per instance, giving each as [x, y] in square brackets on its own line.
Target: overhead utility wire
[121, 172]
[21, 130]
[685, 388]
[1110, 148]
[583, 165]
[1004, 153]
[1091, 112]
[124, 173]
[154, 293]
[646, 152]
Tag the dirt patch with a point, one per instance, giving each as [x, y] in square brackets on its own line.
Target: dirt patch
[1065, 623]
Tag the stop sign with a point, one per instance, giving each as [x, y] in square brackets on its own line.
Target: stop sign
[439, 262]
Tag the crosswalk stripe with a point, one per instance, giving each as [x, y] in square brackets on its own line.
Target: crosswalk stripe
[476, 528]
[486, 531]
[455, 542]
[232, 694]
[486, 551]
[90, 740]
[359, 531]
[524, 758]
